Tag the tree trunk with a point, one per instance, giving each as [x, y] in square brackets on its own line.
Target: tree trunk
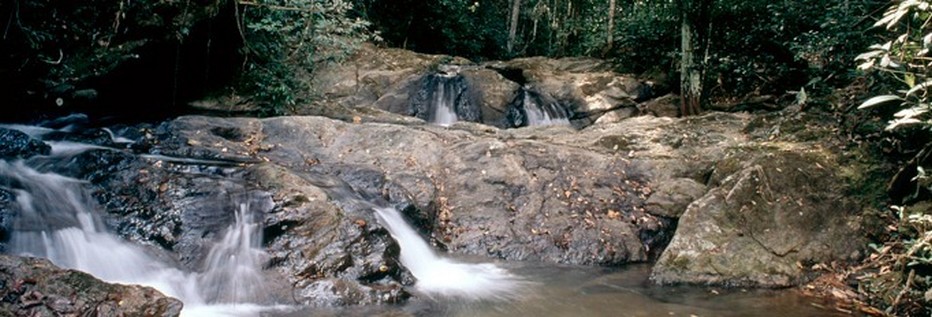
[695, 27]
[513, 25]
[610, 31]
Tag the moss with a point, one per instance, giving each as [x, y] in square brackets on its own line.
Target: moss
[680, 263]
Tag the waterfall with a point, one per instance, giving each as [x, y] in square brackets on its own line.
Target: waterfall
[533, 108]
[444, 277]
[443, 98]
[443, 111]
[231, 274]
[56, 218]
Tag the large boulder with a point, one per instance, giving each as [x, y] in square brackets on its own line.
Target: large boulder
[775, 211]
[36, 287]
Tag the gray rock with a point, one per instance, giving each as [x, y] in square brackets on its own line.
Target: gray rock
[670, 198]
[781, 211]
[604, 195]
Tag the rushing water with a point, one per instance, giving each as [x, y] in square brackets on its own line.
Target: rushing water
[443, 111]
[445, 277]
[59, 220]
[538, 112]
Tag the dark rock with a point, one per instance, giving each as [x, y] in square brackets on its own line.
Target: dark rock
[36, 287]
[15, 144]
[7, 215]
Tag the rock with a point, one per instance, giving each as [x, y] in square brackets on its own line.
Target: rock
[7, 215]
[328, 243]
[494, 92]
[608, 194]
[778, 211]
[529, 204]
[36, 287]
[670, 199]
[15, 144]
[587, 86]
[615, 116]
[666, 106]
[389, 79]
[373, 73]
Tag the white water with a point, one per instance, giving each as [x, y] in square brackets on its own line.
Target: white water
[57, 220]
[537, 114]
[444, 277]
[444, 113]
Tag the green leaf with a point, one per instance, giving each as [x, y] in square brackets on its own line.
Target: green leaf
[879, 100]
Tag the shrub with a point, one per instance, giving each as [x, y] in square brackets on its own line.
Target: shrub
[286, 40]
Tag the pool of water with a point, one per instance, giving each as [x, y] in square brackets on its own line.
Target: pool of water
[587, 291]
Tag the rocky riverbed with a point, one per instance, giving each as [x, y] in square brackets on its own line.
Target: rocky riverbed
[730, 199]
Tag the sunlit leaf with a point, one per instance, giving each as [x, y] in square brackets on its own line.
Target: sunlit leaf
[899, 122]
[879, 100]
[910, 112]
[919, 87]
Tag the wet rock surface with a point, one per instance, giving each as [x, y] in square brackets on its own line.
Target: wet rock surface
[16, 144]
[36, 287]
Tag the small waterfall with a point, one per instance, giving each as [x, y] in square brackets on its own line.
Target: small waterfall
[232, 272]
[443, 111]
[443, 98]
[533, 108]
[444, 277]
[56, 218]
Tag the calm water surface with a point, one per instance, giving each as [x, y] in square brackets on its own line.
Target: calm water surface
[585, 291]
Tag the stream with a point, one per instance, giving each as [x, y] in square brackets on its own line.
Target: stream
[587, 291]
[59, 220]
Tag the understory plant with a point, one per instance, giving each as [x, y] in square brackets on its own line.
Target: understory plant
[285, 41]
[902, 273]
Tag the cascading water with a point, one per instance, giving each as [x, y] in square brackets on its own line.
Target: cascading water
[444, 277]
[532, 108]
[231, 274]
[443, 111]
[56, 218]
[443, 98]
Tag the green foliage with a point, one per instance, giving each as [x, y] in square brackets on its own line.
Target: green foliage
[647, 37]
[474, 29]
[902, 60]
[904, 57]
[769, 47]
[286, 40]
[900, 276]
